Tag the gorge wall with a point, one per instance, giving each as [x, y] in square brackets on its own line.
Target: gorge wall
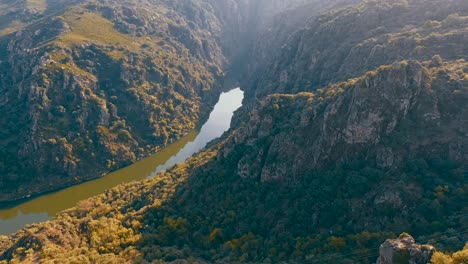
[354, 130]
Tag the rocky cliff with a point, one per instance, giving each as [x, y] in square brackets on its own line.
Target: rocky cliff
[315, 45]
[354, 131]
[99, 85]
[286, 186]
[397, 113]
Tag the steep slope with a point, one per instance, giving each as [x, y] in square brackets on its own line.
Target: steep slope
[16, 14]
[89, 86]
[289, 202]
[322, 176]
[100, 85]
[348, 39]
[244, 20]
[394, 114]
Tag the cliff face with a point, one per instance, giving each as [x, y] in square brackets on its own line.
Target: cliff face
[322, 175]
[336, 43]
[399, 112]
[98, 86]
[244, 21]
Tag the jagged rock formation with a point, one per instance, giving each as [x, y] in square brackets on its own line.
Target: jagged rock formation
[396, 113]
[404, 250]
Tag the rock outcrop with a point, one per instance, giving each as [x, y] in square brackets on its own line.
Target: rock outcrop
[372, 118]
[338, 40]
[97, 86]
[404, 250]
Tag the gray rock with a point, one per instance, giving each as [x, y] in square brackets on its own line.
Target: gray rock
[404, 250]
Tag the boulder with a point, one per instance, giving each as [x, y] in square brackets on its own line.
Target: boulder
[404, 250]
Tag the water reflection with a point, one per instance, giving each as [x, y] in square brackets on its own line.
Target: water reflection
[218, 122]
[47, 206]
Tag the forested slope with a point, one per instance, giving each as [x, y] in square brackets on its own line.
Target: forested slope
[258, 196]
[99, 85]
[354, 130]
[305, 50]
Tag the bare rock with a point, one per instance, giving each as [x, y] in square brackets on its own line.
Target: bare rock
[404, 250]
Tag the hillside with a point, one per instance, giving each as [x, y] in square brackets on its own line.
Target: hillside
[202, 210]
[311, 47]
[89, 86]
[98, 86]
[14, 15]
[354, 130]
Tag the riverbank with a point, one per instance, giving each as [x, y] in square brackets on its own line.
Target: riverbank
[44, 207]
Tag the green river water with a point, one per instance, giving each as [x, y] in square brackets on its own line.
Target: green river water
[45, 207]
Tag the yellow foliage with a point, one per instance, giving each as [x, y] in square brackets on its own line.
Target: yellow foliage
[337, 243]
[109, 235]
[460, 257]
[37, 5]
[89, 26]
[214, 234]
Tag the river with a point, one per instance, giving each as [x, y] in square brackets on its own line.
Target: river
[45, 207]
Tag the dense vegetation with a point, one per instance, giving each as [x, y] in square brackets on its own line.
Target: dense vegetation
[98, 86]
[455, 258]
[213, 209]
[357, 131]
[315, 45]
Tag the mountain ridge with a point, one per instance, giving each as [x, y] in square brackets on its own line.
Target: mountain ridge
[104, 77]
[345, 42]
